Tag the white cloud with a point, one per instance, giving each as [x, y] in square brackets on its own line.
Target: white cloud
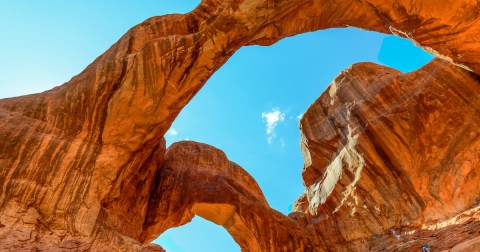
[299, 117]
[272, 119]
[173, 132]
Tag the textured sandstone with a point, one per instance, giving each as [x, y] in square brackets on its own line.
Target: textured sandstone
[78, 161]
[390, 151]
[197, 179]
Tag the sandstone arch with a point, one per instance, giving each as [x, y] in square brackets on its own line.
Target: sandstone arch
[202, 181]
[79, 158]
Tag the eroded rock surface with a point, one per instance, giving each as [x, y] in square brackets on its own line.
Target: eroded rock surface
[386, 151]
[197, 179]
[374, 155]
[77, 161]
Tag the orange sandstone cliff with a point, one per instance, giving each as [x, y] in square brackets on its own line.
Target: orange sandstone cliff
[385, 151]
[83, 166]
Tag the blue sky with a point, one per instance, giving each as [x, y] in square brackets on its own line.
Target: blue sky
[248, 109]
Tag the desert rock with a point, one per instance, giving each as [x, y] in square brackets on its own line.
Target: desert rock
[386, 151]
[79, 162]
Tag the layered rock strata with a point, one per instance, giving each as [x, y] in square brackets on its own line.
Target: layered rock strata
[374, 155]
[386, 151]
[78, 160]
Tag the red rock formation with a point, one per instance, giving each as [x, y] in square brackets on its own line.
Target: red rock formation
[390, 151]
[197, 179]
[78, 160]
[374, 154]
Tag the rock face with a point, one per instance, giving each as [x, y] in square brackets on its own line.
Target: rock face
[82, 163]
[197, 179]
[386, 151]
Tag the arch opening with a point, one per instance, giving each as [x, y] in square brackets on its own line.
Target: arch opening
[266, 89]
[250, 107]
[197, 235]
[280, 117]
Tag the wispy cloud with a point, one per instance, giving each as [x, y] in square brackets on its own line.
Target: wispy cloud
[271, 119]
[173, 132]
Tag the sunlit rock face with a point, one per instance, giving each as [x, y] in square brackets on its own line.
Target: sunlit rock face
[391, 151]
[80, 163]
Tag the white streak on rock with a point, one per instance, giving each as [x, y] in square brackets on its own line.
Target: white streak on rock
[459, 219]
[318, 193]
[335, 85]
